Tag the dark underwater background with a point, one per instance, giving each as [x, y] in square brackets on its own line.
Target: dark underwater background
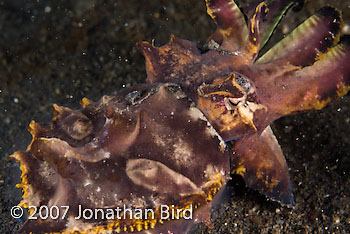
[61, 51]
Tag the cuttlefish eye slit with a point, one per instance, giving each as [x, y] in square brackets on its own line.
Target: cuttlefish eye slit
[174, 140]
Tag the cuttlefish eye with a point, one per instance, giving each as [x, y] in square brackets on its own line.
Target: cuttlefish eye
[229, 91]
[244, 83]
[224, 87]
[230, 103]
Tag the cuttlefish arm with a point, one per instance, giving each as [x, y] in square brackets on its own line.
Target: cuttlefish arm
[235, 34]
[306, 44]
[306, 70]
[260, 161]
[232, 31]
[311, 87]
[276, 9]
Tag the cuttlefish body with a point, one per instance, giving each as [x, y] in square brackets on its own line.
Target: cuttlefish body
[164, 143]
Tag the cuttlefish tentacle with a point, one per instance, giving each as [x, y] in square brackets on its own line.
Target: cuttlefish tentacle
[252, 46]
[311, 87]
[260, 161]
[321, 31]
[232, 29]
[276, 11]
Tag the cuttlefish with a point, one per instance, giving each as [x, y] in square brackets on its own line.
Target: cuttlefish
[154, 157]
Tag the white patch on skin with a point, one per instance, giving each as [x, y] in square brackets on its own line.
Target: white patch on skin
[179, 149]
[107, 154]
[145, 173]
[87, 153]
[159, 141]
[98, 202]
[137, 202]
[196, 114]
[210, 171]
[246, 114]
[182, 152]
[47, 172]
[253, 106]
[245, 109]
[78, 225]
[87, 182]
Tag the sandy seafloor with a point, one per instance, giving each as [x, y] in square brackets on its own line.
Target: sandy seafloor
[61, 51]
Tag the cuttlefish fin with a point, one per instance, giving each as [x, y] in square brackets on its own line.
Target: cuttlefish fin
[166, 62]
[309, 41]
[260, 161]
[313, 86]
[232, 29]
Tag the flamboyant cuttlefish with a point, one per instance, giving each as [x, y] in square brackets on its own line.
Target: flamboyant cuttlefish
[154, 157]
